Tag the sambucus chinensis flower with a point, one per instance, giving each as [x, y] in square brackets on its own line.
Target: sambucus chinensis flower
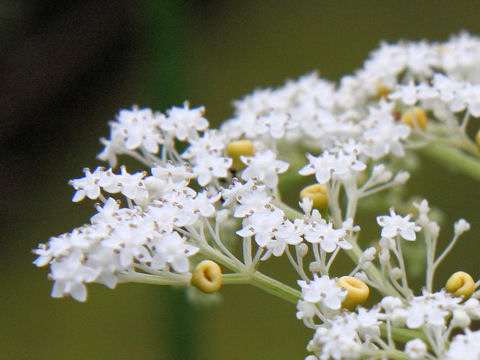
[211, 215]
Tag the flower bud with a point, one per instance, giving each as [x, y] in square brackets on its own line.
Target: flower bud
[460, 284]
[357, 291]
[316, 267]
[415, 117]
[207, 276]
[461, 319]
[416, 349]
[302, 249]
[317, 193]
[239, 148]
[391, 303]
[397, 273]
[368, 255]
[384, 256]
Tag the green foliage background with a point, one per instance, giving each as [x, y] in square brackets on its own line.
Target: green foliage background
[210, 59]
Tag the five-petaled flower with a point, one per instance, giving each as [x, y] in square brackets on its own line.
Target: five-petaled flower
[394, 225]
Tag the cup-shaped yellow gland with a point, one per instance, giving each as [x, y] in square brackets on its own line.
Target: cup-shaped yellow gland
[382, 90]
[207, 276]
[317, 193]
[477, 138]
[357, 291]
[415, 117]
[460, 284]
[238, 148]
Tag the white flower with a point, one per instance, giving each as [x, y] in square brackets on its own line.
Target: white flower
[251, 203]
[133, 129]
[416, 349]
[407, 93]
[70, 274]
[395, 224]
[203, 203]
[129, 240]
[184, 122]
[383, 135]
[208, 166]
[262, 224]
[339, 164]
[328, 237]
[90, 185]
[306, 311]
[139, 127]
[275, 123]
[131, 185]
[464, 346]
[410, 94]
[171, 250]
[323, 290]
[264, 167]
[446, 87]
[429, 310]
[339, 341]
[287, 233]
[212, 141]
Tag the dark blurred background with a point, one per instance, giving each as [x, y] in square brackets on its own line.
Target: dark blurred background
[67, 67]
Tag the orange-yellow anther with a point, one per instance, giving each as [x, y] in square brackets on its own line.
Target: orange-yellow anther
[238, 148]
[357, 291]
[460, 284]
[317, 193]
[415, 117]
[207, 276]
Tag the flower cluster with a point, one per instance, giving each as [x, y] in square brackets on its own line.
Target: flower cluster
[219, 202]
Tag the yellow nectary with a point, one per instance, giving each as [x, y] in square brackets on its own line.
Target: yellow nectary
[238, 148]
[207, 276]
[317, 193]
[357, 291]
[415, 117]
[382, 90]
[477, 138]
[460, 284]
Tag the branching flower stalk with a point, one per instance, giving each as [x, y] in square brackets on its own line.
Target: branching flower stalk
[211, 215]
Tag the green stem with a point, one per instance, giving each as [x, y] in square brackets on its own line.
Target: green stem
[403, 335]
[265, 283]
[275, 287]
[244, 275]
[153, 279]
[454, 158]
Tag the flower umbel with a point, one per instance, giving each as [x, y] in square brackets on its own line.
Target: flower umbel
[211, 215]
